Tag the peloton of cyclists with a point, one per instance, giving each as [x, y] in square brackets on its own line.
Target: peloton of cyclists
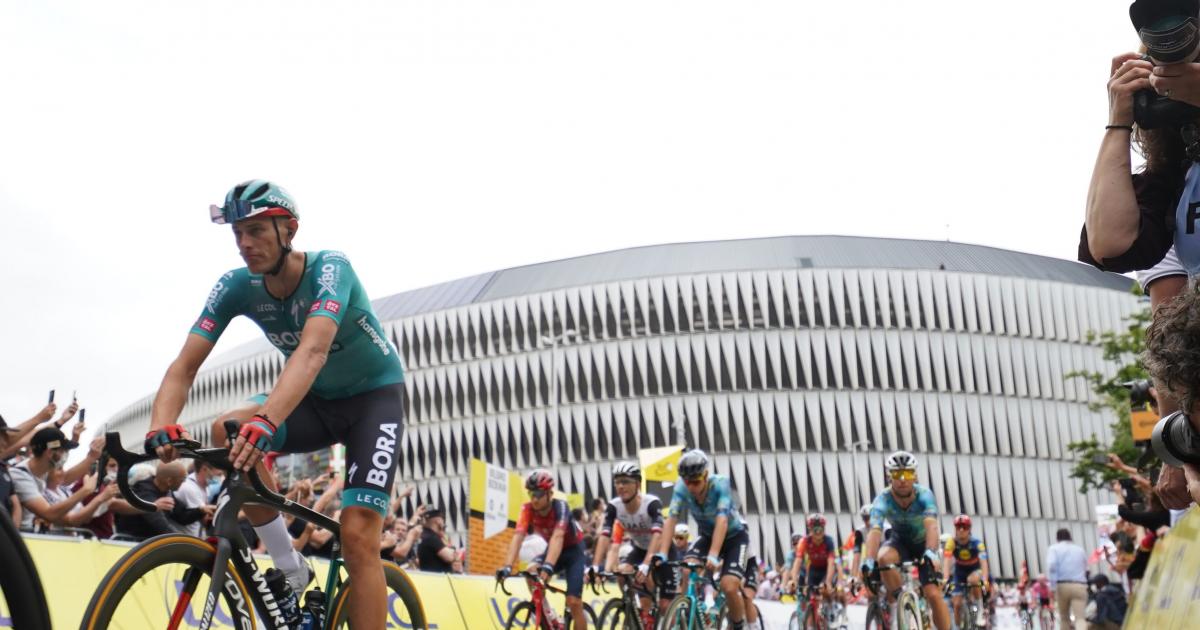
[551, 519]
[912, 511]
[723, 540]
[966, 563]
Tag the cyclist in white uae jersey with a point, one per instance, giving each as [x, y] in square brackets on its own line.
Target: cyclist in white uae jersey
[640, 516]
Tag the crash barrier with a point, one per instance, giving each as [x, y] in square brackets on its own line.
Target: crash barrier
[71, 569]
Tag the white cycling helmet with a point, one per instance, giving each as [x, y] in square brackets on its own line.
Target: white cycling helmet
[900, 460]
[627, 469]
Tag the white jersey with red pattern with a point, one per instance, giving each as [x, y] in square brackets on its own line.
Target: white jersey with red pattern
[639, 526]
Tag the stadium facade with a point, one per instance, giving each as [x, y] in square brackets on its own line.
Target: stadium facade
[798, 362]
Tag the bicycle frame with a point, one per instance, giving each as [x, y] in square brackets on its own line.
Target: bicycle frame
[697, 577]
[631, 595]
[227, 536]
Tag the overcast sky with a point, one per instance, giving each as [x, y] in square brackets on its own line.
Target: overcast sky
[434, 140]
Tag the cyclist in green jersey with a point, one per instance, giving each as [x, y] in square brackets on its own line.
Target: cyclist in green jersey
[342, 382]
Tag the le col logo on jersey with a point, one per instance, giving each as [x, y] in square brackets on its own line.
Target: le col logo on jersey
[328, 279]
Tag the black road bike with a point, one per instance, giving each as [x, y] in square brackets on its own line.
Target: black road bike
[131, 594]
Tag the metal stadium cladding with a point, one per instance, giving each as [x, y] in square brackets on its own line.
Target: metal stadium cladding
[799, 362]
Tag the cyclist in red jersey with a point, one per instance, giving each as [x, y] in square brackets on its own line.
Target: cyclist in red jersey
[551, 519]
[816, 552]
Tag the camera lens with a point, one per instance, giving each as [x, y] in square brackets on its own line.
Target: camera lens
[1175, 441]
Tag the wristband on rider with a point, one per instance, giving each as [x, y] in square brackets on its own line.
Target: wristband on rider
[547, 567]
[714, 560]
[643, 568]
[1128, 128]
[661, 556]
[264, 418]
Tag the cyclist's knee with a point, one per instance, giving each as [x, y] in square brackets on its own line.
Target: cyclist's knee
[574, 600]
[731, 584]
[360, 532]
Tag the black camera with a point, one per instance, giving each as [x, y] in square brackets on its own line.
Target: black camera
[1175, 441]
[1139, 393]
[1170, 30]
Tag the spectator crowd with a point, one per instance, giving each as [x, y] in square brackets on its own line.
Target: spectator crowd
[41, 493]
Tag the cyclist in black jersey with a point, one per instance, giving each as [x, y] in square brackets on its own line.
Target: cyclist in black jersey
[342, 382]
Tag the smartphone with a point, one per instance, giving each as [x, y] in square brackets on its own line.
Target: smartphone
[1100, 460]
[82, 415]
[73, 396]
[51, 397]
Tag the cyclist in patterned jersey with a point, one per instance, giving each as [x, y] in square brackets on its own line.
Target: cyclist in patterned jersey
[856, 540]
[1023, 586]
[342, 382]
[814, 554]
[641, 521]
[550, 518]
[965, 556]
[723, 539]
[912, 510]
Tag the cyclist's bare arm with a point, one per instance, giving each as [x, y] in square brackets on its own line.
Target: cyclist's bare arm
[664, 544]
[871, 546]
[554, 549]
[514, 547]
[932, 534]
[173, 391]
[301, 368]
[600, 554]
[720, 527]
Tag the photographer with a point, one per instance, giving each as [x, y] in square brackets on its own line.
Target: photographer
[1146, 220]
[1172, 357]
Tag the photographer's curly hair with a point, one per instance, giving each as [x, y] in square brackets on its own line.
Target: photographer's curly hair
[1172, 353]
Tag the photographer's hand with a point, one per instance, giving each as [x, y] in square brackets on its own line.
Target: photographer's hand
[1129, 73]
[1191, 472]
[1178, 82]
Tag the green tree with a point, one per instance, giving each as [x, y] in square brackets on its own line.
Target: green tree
[1122, 347]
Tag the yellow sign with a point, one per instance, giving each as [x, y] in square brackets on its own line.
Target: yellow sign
[1141, 423]
[1165, 599]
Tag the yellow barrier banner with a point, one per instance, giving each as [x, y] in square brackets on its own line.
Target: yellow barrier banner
[1165, 599]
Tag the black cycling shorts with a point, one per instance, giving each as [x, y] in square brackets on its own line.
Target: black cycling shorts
[368, 424]
[914, 553]
[734, 553]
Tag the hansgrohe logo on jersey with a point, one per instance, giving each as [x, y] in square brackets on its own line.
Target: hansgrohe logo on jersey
[375, 338]
[327, 280]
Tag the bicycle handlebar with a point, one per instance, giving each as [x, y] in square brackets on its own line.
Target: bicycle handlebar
[187, 449]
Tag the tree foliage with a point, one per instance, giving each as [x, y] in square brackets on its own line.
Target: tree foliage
[1123, 348]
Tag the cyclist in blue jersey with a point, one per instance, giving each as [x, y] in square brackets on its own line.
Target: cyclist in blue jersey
[912, 511]
[342, 382]
[723, 539]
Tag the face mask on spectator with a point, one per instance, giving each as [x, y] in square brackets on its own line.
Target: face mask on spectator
[214, 487]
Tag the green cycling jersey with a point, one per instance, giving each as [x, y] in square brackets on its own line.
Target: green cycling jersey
[361, 357]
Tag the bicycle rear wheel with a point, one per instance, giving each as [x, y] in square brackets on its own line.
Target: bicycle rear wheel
[20, 587]
[404, 608]
[154, 586]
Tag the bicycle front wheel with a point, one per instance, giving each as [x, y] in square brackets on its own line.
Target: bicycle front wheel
[154, 586]
[875, 620]
[678, 615]
[20, 587]
[616, 616]
[404, 608]
[796, 621]
[909, 611]
[1046, 618]
[522, 615]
